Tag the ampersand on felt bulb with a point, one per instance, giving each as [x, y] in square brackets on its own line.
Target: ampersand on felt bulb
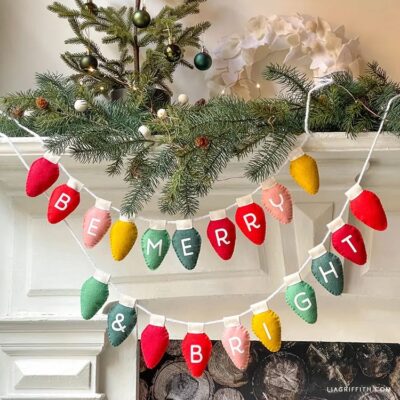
[236, 342]
[327, 269]
[221, 233]
[196, 349]
[123, 236]
[155, 244]
[96, 222]
[304, 171]
[348, 241]
[186, 242]
[266, 326]
[300, 296]
[277, 200]
[367, 207]
[94, 293]
[42, 174]
[64, 200]
[154, 341]
[121, 320]
[250, 218]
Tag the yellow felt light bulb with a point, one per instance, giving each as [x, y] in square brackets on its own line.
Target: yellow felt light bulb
[304, 171]
[123, 236]
[266, 326]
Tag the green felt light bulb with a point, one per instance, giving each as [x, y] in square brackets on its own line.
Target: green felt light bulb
[121, 320]
[186, 243]
[300, 296]
[94, 293]
[155, 244]
[327, 270]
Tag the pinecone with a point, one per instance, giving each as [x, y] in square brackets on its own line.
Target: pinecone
[201, 102]
[42, 103]
[17, 112]
[202, 142]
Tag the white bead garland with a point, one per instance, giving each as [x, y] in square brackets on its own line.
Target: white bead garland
[183, 99]
[162, 113]
[81, 105]
[145, 131]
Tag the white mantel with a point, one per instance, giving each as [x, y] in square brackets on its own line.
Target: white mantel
[48, 352]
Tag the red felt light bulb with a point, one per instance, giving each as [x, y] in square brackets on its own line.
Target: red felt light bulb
[348, 241]
[154, 341]
[367, 207]
[196, 349]
[221, 233]
[277, 200]
[42, 174]
[250, 218]
[64, 200]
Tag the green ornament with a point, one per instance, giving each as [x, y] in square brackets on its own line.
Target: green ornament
[173, 52]
[327, 270]
[121, 320]
[89, 63]
[187, 243]
[300, 296]
[203, 60]
[141, 18]
[94, 293]
[155, 244]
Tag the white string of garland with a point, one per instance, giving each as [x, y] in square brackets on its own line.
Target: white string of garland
[325, 82]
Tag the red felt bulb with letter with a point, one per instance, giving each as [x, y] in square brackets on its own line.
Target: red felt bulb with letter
[64, 200]
[196, 349]
[42, 174]
[367, 207]
[348, 241]
[250, 218]
[221, 233]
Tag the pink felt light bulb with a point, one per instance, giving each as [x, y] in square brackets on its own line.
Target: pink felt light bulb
[277, 200]
[96, 223]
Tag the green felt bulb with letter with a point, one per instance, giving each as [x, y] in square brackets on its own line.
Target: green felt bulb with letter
[186, 243]
[121, 320]
[155, 244]
[300, 296]
[94, 293]
[327, 270]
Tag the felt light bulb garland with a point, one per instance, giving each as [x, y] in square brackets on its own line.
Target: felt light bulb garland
[186, 242]
[155, 244]
[348, 241]
[221, 233]
[266, 326]
[64, 200]
[277, 200]
[327, 269]
[123, 236]
[250, 218]
[154, 341]
[42, 174]
[96, 222]
[121, 320]
[300, 296]
[304, 170]
[236, 342]
[367, 207]
[94, 293]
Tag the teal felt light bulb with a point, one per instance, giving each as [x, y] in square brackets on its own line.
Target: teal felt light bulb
[94, 293]
[121, 320]
[155, 244]
[186, 242]
[300, 296]
[327, 270]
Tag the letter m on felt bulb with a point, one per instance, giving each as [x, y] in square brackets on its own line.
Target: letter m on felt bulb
[155, 244]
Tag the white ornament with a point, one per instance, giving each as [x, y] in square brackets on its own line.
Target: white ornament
[145, 131]
[162, 113]
[183, 99]
[81, 105]
[29, 113]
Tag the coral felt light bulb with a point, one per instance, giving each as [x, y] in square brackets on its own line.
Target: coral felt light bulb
[221, 233]
[186, 242]
[277, 200]
[348, 241]
[96, 222]
[42, 174]
[154, 341]
[123, 236]
[64, 200]
[250, 218]
[236, 342]
[367, 207]
[304, 171]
